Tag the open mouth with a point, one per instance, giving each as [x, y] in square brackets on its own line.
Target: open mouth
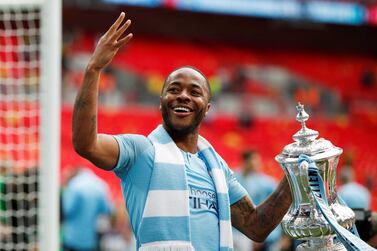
[182, 110]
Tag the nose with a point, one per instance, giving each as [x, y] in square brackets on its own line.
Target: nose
[183, 96]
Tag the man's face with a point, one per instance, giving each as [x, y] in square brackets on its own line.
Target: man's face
[254, 162]
[184, 101]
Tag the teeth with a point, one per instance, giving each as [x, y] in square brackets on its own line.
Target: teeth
[181, 109]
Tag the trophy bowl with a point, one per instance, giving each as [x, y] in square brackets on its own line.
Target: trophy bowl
[303, 220]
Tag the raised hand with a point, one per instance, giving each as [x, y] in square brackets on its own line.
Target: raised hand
[109, 44]
[101, 149]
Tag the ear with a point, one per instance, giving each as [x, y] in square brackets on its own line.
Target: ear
[159, 107]
[208, 106]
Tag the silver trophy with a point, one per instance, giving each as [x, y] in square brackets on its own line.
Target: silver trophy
[303, 220]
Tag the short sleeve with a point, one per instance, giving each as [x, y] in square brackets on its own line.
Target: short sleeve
[130, 146]
[236, 190]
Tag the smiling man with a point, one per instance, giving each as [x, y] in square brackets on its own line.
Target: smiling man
[185, 101]
[179, 193]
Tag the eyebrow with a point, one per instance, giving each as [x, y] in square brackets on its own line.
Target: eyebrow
[193, 84]
[203, 88]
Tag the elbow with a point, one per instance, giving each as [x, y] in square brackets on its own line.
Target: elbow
[259, 237]
[81, 149]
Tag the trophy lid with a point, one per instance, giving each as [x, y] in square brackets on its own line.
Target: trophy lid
[306, 142]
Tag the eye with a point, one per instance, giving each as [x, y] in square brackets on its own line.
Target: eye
[196, 93]
[173, 89]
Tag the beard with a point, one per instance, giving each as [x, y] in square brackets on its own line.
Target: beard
[181, 131]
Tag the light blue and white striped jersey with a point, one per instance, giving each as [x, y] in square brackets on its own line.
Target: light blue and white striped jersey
[134, 168]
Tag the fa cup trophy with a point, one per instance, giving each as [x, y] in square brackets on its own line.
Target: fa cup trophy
[304, 221]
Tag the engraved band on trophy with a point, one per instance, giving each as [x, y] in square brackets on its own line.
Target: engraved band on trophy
[303, 220]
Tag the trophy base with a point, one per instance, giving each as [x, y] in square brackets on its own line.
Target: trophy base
[321, 244]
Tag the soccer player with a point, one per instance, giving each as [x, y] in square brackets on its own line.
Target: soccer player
[180, 194]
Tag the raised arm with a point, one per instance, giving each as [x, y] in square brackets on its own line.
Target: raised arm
[100, 149]
[258, 222]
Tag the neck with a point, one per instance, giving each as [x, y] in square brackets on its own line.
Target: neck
[187, 142]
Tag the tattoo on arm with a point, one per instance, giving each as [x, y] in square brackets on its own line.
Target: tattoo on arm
[87, 92]
[246, 215]
[242, 219]
[256, 222]
[93, 124]
[80, 103]
[241, 211]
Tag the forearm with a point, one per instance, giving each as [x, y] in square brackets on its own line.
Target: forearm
[258, 222]
[84, 119]
[270, 213]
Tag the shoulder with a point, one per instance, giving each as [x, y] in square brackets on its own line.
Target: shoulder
[132, 138]
[132, 149]
[133, 143]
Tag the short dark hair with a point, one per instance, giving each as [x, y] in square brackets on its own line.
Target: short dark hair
[195, 69]
[247, 154]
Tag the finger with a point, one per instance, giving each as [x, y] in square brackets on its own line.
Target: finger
[122, 29]
[124, 40]
[116, 24]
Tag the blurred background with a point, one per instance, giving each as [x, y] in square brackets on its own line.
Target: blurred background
[261, 57]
